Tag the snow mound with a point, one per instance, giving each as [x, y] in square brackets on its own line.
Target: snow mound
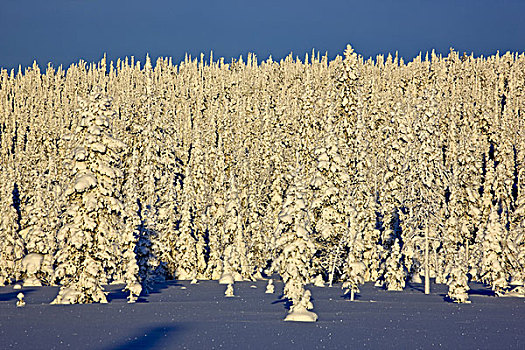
[226, 278]
[32, 282]
[270, 288]
[416, 278]
[31, 264]
[300, 314]
[134, 291]
[20, 302]
[67, 296]
[229, 291]
[319, 282]
[516, 292]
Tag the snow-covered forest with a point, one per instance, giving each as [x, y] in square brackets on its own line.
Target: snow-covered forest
[321, 171]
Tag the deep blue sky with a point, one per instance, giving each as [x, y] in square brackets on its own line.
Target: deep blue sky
[63, 31]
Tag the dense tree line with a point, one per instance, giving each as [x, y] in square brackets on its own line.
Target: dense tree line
[348, 170]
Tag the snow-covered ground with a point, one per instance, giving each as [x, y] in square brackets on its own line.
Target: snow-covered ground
[181, 315]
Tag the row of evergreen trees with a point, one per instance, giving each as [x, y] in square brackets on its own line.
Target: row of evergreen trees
[348, 170]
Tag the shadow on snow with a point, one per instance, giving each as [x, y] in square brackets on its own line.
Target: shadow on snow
[11, 296]
[149, 338]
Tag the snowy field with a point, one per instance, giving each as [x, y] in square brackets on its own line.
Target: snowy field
[179, 315]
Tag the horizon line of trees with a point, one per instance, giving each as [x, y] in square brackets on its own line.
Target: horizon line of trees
[348, 170]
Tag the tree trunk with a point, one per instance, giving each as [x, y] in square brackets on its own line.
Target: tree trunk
[332, 272]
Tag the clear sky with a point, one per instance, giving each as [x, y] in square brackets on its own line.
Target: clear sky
[63, 31]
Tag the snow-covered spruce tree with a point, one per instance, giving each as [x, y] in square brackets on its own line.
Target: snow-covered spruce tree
[260, 242]
[404, 151]
[412, 216]
[426, 181]
[130, 269]
[150, 268]
[456, 235]
[366, 221]
[353, 268]
[395, 274]
[398, 194]
[275, 203]
[169, 215]
[329, 206]
[516, 241]
[507, 183]
[39, 201]
[216, 213]
[167, 166]
[457, 278]
[252, 166]
[150, 140]
[186, 248]
[92, 235]
[295, 248]
[493, 262]
[196, 187]
[469, 175]
[364, 188]
[11, 244]
[235, 250]
[39, 233]
[215, 264]
[349, 81]
[480, 207]
[375, 150]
